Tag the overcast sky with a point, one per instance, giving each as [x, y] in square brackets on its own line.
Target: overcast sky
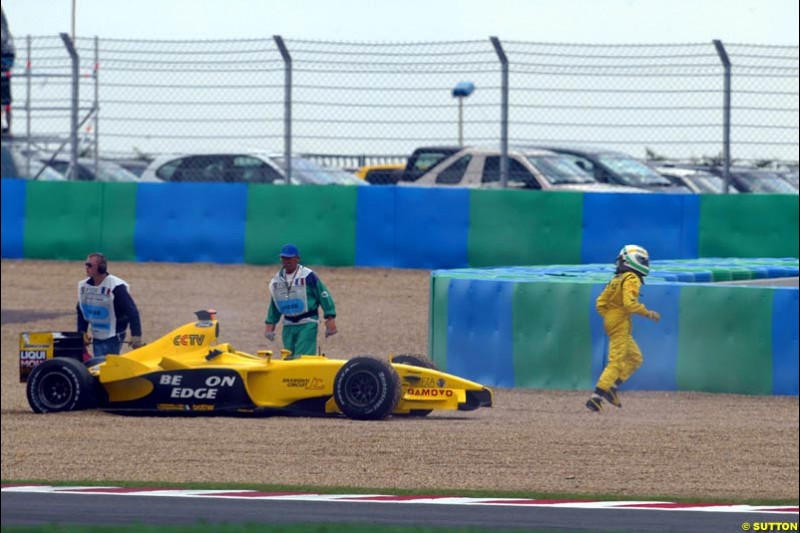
[560, 21]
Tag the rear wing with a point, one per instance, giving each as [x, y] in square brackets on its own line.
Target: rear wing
[36, 347]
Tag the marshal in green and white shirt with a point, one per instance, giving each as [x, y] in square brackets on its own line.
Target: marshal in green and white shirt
[297, 297]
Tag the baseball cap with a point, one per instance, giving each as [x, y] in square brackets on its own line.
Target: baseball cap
[289, 250]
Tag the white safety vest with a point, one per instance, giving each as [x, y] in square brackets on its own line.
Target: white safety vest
[288, 291]
[97, 306]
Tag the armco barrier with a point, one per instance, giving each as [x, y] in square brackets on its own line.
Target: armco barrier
[538, 328]
[405, 227]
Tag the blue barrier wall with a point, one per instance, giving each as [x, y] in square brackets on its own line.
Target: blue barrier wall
[405, 227]
[668, 223]
[409, 227]
[13, 218]
[486, 350]
[179, 223]
[785, 342]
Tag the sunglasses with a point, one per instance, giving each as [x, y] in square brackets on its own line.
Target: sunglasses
[88, 265]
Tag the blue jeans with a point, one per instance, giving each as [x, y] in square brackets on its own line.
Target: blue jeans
[103, 347]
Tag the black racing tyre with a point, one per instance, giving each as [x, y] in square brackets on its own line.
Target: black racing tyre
[414, 359]
[366, 388]
[423, 361]
[60, 384]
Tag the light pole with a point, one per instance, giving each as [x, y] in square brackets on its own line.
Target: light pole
[461, 91]
[72, 25]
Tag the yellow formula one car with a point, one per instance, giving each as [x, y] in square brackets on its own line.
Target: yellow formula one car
[189, 372]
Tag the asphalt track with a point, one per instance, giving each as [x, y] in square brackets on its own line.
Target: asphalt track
[37, 508]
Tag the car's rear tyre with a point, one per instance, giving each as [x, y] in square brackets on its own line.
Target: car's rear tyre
[60, 384]
[419, 360]
[366, 388]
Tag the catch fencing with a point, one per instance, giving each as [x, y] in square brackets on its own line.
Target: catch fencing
[351, 103]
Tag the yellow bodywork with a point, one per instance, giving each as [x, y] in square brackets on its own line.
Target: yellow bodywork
[269, 380]
[366, 169]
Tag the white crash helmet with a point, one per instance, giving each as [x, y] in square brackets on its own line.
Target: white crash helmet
[635, 257]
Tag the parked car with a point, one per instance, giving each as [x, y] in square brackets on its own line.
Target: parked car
[308, 170]
[136, 166]
[229, 167]
[15, 164]
[242, 167]
[791, 176]
[697, 180]
[758, 180]
[615, 167]
[528, 169]
[106, 170]
[424, 158]
[381, 174]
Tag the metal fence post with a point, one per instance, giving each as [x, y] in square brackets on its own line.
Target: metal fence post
[73, 119]
[287, 105]
[501, 55]
[96, 75]
[28, 63]
[726, 113]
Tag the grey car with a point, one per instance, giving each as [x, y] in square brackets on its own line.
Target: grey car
[791, 176]
[608, 166]
[106, 170]
[18, 165]
[756, 180]
[242, 167]
[698, 180]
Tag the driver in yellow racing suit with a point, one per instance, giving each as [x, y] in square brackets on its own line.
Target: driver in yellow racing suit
[618, 301]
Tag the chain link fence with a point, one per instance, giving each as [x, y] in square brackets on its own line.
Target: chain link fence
[348, 104]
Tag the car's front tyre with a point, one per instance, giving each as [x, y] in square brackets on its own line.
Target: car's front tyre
[366, 388]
